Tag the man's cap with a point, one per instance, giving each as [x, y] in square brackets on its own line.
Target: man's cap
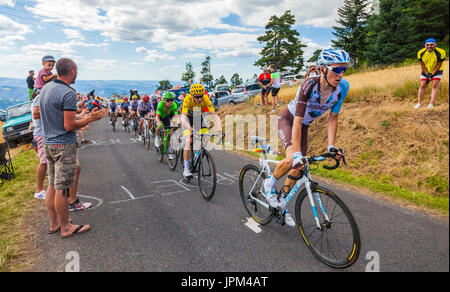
[48, 58]
[431, 40]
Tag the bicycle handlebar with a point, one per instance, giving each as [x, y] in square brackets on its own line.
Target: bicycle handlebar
[332, 154]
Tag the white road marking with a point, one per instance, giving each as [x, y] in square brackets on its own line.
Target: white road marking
[128, 192]
[100, 201]
[253, 225]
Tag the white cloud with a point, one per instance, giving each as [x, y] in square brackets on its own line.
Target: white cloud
[153, 55]
[12, 31]
[100, 64]
[169, 68]
[73, 34]
[9, 3]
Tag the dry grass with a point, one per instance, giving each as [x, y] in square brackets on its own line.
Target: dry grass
[395, 84]
[385, 139]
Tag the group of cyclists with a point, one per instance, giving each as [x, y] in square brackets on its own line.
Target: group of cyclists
[165, 109]
[315, 96]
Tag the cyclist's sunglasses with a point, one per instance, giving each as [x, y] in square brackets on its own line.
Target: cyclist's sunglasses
[337, 70]
[429, 45]
[198, 96]
[169, 100]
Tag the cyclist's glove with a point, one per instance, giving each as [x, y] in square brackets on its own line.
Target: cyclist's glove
[298, 160]
[332, 149]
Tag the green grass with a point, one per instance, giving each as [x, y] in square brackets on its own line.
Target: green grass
[383, 184]
[16, 201]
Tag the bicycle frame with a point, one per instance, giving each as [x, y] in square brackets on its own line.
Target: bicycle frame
[304, 180]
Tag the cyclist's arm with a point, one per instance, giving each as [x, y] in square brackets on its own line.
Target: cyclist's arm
[332, 128]
[185, 122]
[424, 68]
[438, 66]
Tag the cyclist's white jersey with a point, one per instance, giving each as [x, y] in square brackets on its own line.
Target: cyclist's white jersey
[307, 103]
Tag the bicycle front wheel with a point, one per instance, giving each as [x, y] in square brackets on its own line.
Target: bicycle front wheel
[251, 187]
[337, 242]
[207, 177]
[172, 160]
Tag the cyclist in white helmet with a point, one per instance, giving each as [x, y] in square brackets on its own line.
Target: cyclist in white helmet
[314, 97]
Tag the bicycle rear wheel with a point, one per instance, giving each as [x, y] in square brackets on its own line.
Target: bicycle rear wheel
[207, 177]
[337, 243]
[114, 124]
[251, 182]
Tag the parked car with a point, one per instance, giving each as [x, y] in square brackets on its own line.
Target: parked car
[222, 87]
[2, 115]
[222, 97]
[291, 80]
[242, 93]
[17, 124]
[177, 92]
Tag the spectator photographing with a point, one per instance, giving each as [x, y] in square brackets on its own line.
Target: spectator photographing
[431, 59]
[58, 116]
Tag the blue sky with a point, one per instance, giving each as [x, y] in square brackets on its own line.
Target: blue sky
[148, 39]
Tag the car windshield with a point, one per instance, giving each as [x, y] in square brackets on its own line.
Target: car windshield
[18, 111]
[222, 88]
[238, 89]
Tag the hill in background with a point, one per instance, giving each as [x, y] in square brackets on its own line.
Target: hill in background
[13, 90]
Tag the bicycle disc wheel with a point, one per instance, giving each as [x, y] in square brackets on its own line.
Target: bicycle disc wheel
[207, 177]
[337, 243]
[252, 183]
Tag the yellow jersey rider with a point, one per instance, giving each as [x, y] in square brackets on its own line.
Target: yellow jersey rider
[193, 103]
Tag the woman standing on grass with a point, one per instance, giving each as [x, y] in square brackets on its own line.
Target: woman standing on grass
[314, 97]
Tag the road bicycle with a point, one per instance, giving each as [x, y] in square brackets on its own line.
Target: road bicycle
[113, 122]
[135, 125]
[126, 124]
[165, 134]
[329, 231]
[201, 162]
[146, 132]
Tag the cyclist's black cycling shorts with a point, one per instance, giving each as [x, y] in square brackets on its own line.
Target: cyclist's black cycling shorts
[285, 123]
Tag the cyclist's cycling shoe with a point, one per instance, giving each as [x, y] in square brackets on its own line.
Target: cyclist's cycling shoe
[271, 195]
[187, 173]
[288, 219]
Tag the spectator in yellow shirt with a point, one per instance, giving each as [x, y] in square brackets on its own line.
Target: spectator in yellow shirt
[431, 60]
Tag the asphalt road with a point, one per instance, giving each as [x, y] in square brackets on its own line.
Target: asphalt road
[145, 219]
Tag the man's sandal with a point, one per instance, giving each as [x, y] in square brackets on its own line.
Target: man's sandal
[76, 232]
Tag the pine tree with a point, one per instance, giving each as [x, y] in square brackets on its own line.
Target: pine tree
[189, 74]
[221, 80]
[207, 77]
[391, 37]
[431, 19]
[164, 85]
[236, 80]
[315, 56]
[351, 34]
[282, 43]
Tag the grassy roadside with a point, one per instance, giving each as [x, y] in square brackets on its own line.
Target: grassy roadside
[16, 202]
